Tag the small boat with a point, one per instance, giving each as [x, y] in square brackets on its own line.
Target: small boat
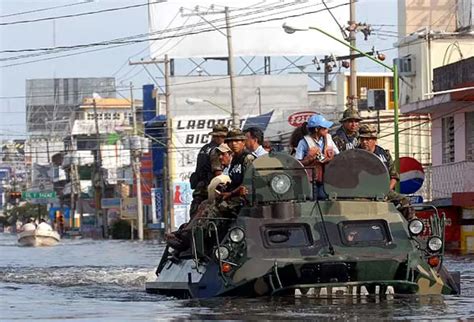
[38, 237]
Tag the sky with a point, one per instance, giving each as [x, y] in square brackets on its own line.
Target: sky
[113, 61]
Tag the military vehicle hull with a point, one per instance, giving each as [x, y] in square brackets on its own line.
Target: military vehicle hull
[290, 254]
[283, 240]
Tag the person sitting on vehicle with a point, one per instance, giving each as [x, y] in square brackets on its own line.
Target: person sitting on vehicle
[207, 167]
[225, 158]
[316, 149]
[254, 141]
[368, 141]
[347, 135]
[180, 239]
[296, 137]
[241, 160]
[43, 225]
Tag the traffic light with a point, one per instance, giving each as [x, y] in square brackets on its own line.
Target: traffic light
[15, 196]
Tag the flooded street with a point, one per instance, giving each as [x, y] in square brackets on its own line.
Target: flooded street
[85, 280]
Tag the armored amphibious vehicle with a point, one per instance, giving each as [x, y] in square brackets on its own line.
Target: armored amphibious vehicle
[284, 241]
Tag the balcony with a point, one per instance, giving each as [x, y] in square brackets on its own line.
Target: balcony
[452, 177]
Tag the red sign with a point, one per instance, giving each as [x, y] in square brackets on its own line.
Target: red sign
[298, 118]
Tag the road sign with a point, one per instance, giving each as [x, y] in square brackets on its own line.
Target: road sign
[38, 195]
[108, 203]
[129, 208]
[412, 175]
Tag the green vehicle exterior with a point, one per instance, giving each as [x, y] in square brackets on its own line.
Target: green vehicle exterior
[283, 241]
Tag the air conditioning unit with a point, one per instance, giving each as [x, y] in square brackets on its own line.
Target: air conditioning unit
[406, 65]
[376, 99]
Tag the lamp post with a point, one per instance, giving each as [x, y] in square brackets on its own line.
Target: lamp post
[193, 100]
[290, 30]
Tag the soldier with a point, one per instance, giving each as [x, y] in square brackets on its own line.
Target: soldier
[346, 136]
[254, 141]
[241, 160]
[368, 142]
[316, 149]
[207, 167]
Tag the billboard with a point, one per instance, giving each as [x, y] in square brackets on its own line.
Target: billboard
[184, 29]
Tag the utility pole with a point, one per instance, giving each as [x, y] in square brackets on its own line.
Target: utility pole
[259, 92]
[168, 191]
[230, 57]
[352, 102]
[230, 68]
[167, 184]
[98, 179]
[136, 153]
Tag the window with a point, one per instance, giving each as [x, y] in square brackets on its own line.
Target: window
[364, 232]
[288, 235]
[447, 124]
[470, 136]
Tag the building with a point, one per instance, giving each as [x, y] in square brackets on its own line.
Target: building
[51, 102]
[436, 64]
[98, 157]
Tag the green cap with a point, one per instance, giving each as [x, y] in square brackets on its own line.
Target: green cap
[350, 114]
[235, 135]
[367, 131]
[219, 130]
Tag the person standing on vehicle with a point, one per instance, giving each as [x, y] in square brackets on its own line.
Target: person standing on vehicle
[207, 167]
[254, 141]
[347, 135]
[316, 149]
[241, 160]
[368, 141]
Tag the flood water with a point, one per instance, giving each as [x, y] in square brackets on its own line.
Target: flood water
[85, 280]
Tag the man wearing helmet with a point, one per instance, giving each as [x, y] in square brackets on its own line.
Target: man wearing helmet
[368, 142]
[346, 136]
[317, 148]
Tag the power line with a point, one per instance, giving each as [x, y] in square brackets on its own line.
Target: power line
[74, 15]
[44, 9]
[51, 50]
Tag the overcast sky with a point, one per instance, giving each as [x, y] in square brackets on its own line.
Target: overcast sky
[112, 62]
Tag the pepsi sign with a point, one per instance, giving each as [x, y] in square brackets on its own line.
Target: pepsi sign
[412, 175]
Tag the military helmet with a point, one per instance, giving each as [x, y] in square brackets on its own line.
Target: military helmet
[350, 114]
[219, 130]
[367, 131]
[235, 135]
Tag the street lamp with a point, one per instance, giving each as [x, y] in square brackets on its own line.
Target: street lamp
[292, 29]
[193, 100]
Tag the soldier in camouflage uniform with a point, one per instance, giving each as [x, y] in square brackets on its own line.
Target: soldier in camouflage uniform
[368, 142]
[347, 136]
[207, 167]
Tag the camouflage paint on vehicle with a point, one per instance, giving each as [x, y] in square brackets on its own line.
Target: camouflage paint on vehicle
[353, 243]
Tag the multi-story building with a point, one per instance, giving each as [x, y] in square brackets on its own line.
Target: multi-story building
[436, 63]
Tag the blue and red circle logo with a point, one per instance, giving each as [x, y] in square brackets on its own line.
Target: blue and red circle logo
[412, 175]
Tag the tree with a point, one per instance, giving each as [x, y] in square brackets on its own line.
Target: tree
[24, 212]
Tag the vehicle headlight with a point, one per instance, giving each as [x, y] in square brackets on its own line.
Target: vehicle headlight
[281, 183]
[435, 244]
[222, 253]
[236, 235]
[416, 227]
